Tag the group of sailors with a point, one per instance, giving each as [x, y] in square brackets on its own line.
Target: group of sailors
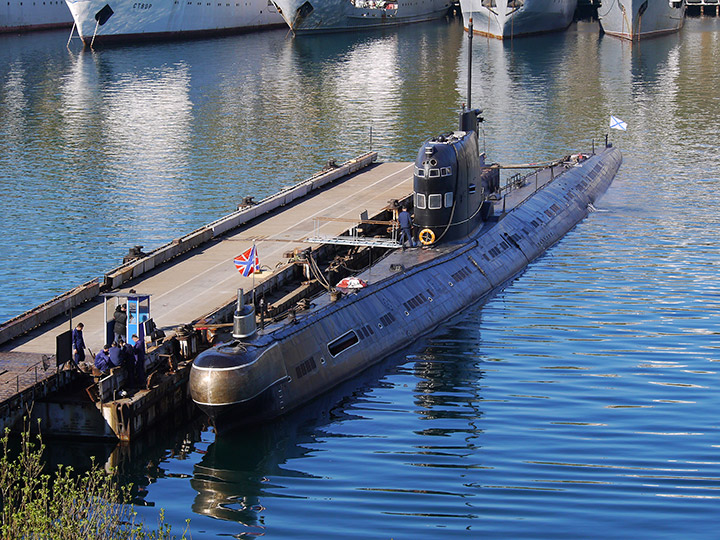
[130, 356]
[121, 354]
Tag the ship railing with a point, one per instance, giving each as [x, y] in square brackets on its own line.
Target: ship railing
[354, 235]
[519, 180]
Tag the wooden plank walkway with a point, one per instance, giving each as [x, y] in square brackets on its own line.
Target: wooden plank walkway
[204, 279]
[20, 371]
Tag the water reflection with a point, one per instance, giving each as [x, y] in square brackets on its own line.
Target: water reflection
[242, 472]
[233, 478]
[79, 105]
[376, 79]
[450, 384]
[138, 145]
[246, 477]
[147, 119]
[563, 89]
[14, 102]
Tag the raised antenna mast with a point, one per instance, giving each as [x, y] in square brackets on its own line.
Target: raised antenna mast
[469, 79]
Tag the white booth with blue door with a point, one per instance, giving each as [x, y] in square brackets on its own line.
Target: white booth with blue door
[138, 314]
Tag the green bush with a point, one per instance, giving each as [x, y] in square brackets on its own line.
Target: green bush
[65, 505]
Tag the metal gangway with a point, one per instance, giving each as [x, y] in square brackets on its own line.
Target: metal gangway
[354, 236]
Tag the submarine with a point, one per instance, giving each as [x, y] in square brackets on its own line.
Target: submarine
[476, 236]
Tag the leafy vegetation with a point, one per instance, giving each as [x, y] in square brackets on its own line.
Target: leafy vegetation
[65, 504]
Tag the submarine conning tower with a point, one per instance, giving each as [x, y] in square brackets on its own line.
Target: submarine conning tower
[451, 183]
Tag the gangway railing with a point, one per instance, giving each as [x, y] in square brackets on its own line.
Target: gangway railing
[354, 237]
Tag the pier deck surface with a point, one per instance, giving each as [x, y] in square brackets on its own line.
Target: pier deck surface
[204, 279]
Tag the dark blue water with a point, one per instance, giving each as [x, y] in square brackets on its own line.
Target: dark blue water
[581, 402]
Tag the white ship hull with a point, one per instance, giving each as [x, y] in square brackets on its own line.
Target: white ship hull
[636, 19]
[315, 16]
[504, 19]
[16, 16]
[152, 19]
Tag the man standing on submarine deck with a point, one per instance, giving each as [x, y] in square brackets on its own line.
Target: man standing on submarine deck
[405, 227]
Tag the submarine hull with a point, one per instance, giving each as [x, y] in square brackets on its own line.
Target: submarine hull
[409, 294]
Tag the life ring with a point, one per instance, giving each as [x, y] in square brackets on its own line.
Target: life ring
[426, 237]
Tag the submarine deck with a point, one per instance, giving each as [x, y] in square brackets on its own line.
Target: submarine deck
[205, 278]
[515, 191]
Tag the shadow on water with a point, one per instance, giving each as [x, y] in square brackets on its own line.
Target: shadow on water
[242, 469]
[234, 474]
[140, 462]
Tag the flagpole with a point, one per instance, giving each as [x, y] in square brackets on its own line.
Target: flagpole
[254, 268]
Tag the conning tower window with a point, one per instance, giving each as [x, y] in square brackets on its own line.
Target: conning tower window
[434, 173]
[420, 200]
[342, 343]
[420, 172]
[448, 199]
[446, 171]
[435, 201]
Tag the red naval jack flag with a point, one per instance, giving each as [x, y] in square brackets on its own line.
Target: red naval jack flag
[248, 262]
